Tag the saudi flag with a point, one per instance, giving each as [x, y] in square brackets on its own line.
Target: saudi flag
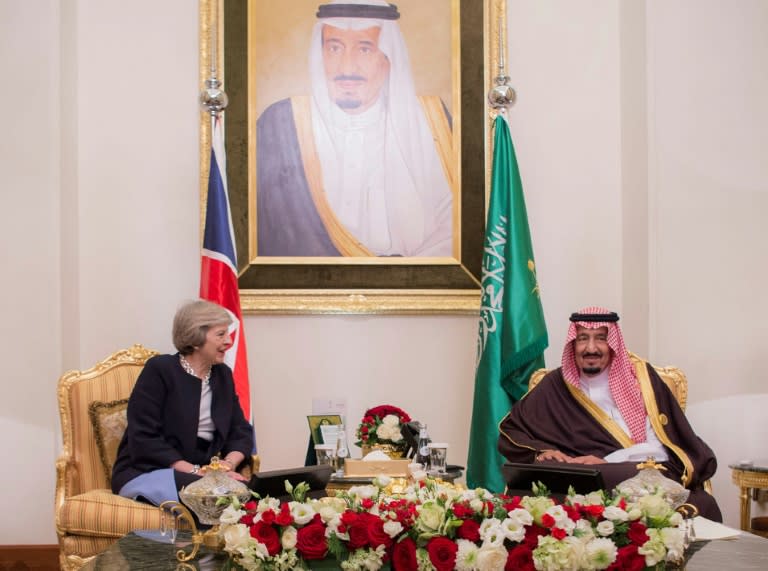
[512, 335]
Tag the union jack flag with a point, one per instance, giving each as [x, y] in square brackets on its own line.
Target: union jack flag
[218, 270]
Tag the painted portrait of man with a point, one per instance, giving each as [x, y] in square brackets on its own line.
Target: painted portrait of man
[361, 165]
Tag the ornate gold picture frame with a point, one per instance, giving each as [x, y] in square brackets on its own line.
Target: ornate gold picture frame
[399, 285]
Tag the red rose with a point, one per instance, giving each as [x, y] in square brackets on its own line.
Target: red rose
[469, 530]
[573, 512]
[311, 542]
[532, 533]
[558, 533]
[520, 558]
[284, 518]
[462, 511]
[358, 534]
[268, 517]
[595, 511]
[250, 506]
[266, 534]
[404, 556]
[628, 559]
[636, 533]
[512, 503]
[376, 534]
[547, 520]
[442, 553]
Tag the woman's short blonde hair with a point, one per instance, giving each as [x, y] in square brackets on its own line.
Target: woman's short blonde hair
[192, 322]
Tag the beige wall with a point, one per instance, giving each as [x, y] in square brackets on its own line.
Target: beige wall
[640, 132]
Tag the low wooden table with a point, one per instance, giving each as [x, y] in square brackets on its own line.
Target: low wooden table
[749, 476]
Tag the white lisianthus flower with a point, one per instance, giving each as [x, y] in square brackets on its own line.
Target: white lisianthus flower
[268, 504]
[392, 528]
[605, 528]
[520, 516]
[363, 492]
[654, 549]
[230, 515]
[302, 513]
[561, 518]
[397, 436]
[513, 529]
[600, 553]
[674, 541]
[466, 555]
[237, 538]
[614, 513]
[634, 514]
[491, 557]
[491, 532]
[327, 512]
[288, 538]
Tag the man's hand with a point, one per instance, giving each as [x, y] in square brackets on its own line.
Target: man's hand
[555, 455]
[588, 460]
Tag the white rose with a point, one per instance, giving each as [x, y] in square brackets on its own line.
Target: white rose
[288, 539]
[230, 515]
[491, 557]
[236, 538]
[392, 528]
[614, 513]
[391, 420]
[605, 528]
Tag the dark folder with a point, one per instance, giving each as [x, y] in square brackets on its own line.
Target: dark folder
[521, 477]
[273, 483]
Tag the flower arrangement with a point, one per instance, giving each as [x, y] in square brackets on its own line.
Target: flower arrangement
[437, 527]
[382, 424]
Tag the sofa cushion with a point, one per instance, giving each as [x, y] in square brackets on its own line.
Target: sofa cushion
[100, 513]
[109, 420]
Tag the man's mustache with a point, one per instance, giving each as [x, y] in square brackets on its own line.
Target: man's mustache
[349, 78]
[592, 354]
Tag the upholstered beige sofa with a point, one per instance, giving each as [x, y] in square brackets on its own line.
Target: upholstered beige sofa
[92, 403]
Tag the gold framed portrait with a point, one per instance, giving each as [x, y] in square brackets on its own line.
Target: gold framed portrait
[329, 215]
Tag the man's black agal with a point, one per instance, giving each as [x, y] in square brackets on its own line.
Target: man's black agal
[611, 317]
[358, 11]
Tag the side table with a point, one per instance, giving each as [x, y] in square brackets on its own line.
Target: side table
[749, 476]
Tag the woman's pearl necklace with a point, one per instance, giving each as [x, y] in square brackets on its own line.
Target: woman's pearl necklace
[188, 368]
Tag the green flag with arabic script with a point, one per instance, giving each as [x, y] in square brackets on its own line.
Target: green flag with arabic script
[512, 334]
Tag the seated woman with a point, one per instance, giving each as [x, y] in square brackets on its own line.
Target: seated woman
[182, 411]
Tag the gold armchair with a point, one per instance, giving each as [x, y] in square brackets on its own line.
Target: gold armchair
[89, 517]
[92, 403]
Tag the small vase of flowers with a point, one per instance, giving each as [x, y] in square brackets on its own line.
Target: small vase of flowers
[382, 428]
